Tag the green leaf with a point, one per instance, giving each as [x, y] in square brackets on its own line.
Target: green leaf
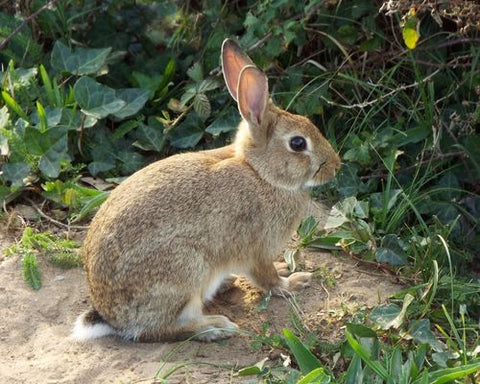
[360, 154]
[326, 242]
[201, 105]
[341, 212]
[195, 72]
[228, 122]
[150, 137]
[30, 271]
[317, 376]
[361, 209]
[135, 99]
[256, 369]
[187, 134]
[385, 315]
[361, 330]
[37, 142]
[189, 94]
[391, 251]
[47, 117]
[15, 172]
[375, 365]
[388, 316]
[354, 373]
[447, 375]
[47, 84]
[422, 334]
[81, 61]
[51, 161]
[95, 167]
[95, 99]
[208, 85]
[151, 83]
[377, 200]
[305, 359]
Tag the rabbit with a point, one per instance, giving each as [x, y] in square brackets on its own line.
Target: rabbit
[171, 234]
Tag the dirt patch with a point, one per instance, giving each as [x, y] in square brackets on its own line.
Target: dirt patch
[35, 325]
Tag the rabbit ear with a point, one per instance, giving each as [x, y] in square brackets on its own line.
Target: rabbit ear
[233, 61]
[252, 94]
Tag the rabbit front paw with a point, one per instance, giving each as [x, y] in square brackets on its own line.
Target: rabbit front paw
[299, 280]
[282, 268]
[293, 283]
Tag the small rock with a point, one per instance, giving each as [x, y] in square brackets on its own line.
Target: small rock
[26, 211]
[59, 278]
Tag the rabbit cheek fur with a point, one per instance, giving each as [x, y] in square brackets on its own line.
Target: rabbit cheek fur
[168, 236]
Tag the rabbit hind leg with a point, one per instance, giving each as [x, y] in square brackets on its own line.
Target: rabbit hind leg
[203, 327]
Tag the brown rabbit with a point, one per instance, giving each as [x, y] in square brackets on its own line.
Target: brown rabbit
[168, 236]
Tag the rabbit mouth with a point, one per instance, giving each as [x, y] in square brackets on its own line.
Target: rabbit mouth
[322, 165]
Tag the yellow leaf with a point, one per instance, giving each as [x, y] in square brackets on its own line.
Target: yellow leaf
[410, 37]
[69, 197]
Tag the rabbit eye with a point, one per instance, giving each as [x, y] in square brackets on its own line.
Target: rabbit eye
[298, 143]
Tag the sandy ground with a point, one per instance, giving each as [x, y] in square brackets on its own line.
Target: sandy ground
[35, 325]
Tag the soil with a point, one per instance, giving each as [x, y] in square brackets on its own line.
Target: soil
[35, 343]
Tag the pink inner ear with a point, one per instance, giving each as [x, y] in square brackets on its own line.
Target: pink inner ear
[233, 61]
[252, 94]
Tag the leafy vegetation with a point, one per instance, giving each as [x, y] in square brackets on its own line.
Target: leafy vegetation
[102, 88]
[59, 251]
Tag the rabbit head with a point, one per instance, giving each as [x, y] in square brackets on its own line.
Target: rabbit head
[286, 150]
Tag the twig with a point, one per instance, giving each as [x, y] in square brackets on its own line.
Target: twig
[392, 92]
[54, 221]
[259, 42]
[177, 119]
[25, 21]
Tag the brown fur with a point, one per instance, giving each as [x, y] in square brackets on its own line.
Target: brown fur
[168, 235]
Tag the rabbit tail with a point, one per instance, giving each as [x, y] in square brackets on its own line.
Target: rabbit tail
[91, 325]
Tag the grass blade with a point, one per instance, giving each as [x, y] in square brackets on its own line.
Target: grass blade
[10, 101]
[306, 360]
[375, 365]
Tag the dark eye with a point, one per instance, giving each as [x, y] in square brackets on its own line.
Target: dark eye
[298, 143]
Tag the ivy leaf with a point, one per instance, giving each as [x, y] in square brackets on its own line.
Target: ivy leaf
[420, 332]
[201, 105]
[37, 142]
[226, 123]
[95, 167]
[391, 251]
[81, 61]
[95, 99]
[52, 116]
[51, 161]
[135, 99]
[385, 315]
[341, 212]
[15, 172]
[150, 138]
[390, 315]
[189, 133]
